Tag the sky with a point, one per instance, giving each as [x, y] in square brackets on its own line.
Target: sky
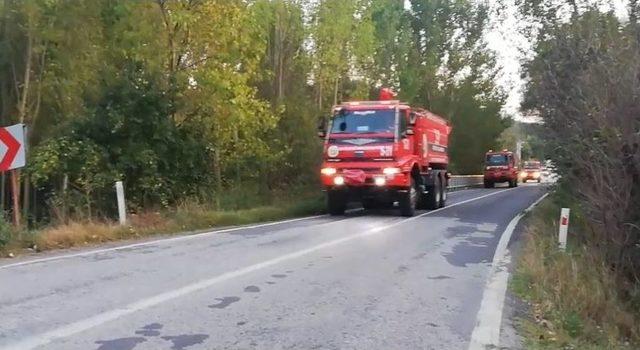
[513, 48]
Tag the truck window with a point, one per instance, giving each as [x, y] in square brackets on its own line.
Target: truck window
[403, 122]
[531, 165]
[364, 122]
[497, 159]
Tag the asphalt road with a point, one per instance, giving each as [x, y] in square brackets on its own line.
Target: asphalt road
[370, 280]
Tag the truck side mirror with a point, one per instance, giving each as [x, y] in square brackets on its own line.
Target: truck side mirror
[412, 118]
[409, 132]
[322, 127]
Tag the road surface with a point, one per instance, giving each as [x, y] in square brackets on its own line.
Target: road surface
[369, 280]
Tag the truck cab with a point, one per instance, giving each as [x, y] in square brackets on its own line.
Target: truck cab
[531, 170]
[382, 152]
[499, 167]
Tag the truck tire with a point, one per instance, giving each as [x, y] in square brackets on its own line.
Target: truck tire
[433, 197]
[336, 203]
[513, 183]
[538, 180]
[443, 194]
[408, 200]
[489, 184]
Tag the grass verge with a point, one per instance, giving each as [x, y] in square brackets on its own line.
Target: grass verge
[182, 219]
[575, 300]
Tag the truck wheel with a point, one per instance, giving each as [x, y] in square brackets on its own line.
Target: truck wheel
[512, 183]
[443, 194]
[538, 180]
[409, 199]
[336, 203]
[432, 199]
[489, 184]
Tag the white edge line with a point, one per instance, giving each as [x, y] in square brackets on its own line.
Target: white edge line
[162, 240]
[486, 333]
[99, 319]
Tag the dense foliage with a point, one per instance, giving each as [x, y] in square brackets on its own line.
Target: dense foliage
[187, 99]
[584, 84]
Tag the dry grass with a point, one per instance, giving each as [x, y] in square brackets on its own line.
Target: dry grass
[575, 297]
[78, 234]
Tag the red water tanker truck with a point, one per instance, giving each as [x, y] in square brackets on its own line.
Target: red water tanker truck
[382, 152]
[500, 166]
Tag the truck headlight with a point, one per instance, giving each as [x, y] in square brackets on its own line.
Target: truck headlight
[390, 171]
[523, 174]
[338, 180]
[536, 174]
[379, 181]
[328, 171]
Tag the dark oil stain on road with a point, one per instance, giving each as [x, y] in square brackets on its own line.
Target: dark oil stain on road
[279, 275]
[241, 323]
[120, 343]
[102, 257]
[431, 324]
[473, 250]
[252, 289]
[270, 282]
[183, 341]
[224, 302]
[150, 330]
[419, 256]
[290, 271]
[402, 269]
[463, 230]
[440, 277]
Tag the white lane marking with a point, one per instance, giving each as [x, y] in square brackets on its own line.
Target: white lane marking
[161, 240]
[102, 318]
[486, 334]
[164, 240]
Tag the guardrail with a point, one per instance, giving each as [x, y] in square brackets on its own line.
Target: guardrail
[465, 181]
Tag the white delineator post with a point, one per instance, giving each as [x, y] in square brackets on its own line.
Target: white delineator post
[564, 227]
[122, 213]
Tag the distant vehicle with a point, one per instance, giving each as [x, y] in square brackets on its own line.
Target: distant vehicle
[531, 170]
[500, 166]
[380, 152]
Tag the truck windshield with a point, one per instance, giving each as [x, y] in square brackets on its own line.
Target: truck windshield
[496, 159]
[364, 122]
[531, 165]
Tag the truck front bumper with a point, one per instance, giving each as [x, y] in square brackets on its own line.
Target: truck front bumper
[499, 176]
[369, 179]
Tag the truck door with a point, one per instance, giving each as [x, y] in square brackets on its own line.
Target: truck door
[406, 141]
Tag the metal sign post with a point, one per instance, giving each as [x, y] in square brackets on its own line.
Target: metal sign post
[12, 157]
[564, 227]
[122, 213]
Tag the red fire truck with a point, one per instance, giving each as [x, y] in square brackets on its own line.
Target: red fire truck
[500, 166]
[531, 170]
[382, 152]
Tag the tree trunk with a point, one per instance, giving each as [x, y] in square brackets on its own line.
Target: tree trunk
[335, 91]
[218, 176]
[15, 191]
[25, 199]
[2, 193]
